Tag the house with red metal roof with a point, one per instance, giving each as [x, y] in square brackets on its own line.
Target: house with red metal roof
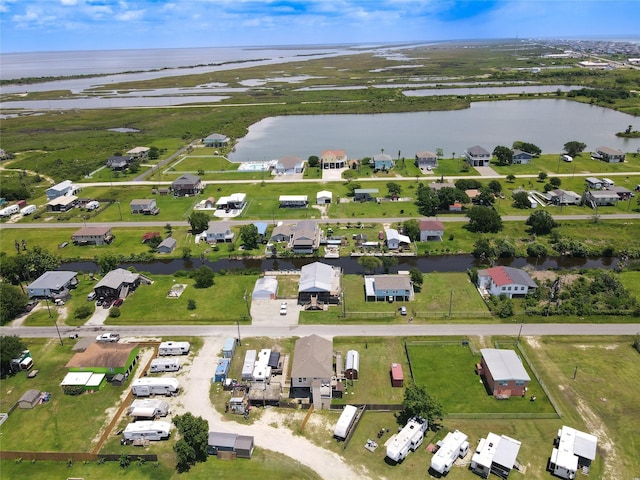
[508, 281]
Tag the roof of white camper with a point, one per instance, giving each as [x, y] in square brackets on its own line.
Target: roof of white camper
[145, 425]
[573, 444]
[449, 449]
[324, 193]
[156, 381]
[504, 364]
[353, 360]
[76, 378]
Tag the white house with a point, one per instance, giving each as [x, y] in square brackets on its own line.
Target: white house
[289, 165]
[574, 450]
[395, 239]
[219, 232]
[506, 280]
[61, 189]
[324, 197]
[53, 284]
[236, 201]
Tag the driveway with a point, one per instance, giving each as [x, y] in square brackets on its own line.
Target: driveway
[98, 317]
[267, 312]
[487, 172]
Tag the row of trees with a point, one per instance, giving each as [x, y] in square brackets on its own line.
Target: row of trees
[504, 155]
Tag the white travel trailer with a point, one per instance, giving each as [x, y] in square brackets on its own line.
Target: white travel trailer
[10, 210]
[164, 365]
[174, 348]
[28, 210]
[145, 387]
[147, 430]
[249, 364]
[345, 422]
[409, 438]
[454, 445]
[92, 205]
[149, 408]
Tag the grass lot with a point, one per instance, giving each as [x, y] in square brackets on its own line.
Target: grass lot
[149, 304]
[583, 163]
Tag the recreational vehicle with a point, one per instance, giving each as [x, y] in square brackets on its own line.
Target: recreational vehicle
[248, 365]
[28, 210]
[409, 438]
[92, 205]
[149, 408]
[145, 387]
[10, 210]
[164, 365]
[454, 445]
[147, 430]
[174, 348]
[345, 422]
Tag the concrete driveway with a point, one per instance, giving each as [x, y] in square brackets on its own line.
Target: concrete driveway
[98, 317]
[267, 312]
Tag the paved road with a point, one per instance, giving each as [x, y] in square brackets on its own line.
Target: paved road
[330, 331]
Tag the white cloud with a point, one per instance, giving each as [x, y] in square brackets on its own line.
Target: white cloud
[69, 3]
[130, 15]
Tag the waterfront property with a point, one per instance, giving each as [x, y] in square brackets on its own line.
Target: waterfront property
[503, 373]
[93, 236]
[395, 240]
[508, 281]
[216, 140]
[305, 236]
[219, 232]
[289, 165]
[426, 160]
[521, 158]
[320, 284]
[431, 230]
[609, 155]
[388, 288]
[53, 284]
[331, 159]
[477, 156]
[382, 161]
[168, 245]
[119, 283]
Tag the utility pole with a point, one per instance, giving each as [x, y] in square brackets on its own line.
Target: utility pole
[450, 301]
[54, 321]
[575, 372]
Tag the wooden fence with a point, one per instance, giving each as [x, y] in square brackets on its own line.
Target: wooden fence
[73, 456]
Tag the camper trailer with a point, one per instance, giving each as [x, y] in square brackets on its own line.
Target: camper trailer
[92, 205]
[345, 422]
[249, 364]
[149, 408]
[147, 430]
[28, 210]
[174, 348]
[164, 365]
[409, 438]
[23, 362]
[145, 387]
[454, 445]
[10, 210]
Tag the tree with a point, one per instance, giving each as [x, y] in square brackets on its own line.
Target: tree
[542, 176]
[411, 229]
[541, 222]
[427, 201]
[313, 161]
[203, 277]
[394, 189]
[11, 346]
[12, 302]
[484, 220]
[574, 148]
[108, 262]
[521, 200]
[249, 236]
[468, 183]
[503, 154]
[388, 262]
[536, 250]
[419, 403]
[555, 182]
[192, 447]
[511, 178]
[448, 196]
[199, 222]
[505, 248]
[486, 197]
[154, 153]
[527, 147]
[495, 186]
[439, 153]
[369, 263]
[482, 248]
[417, 278]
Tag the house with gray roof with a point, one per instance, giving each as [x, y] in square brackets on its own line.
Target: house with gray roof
[609, 155]
[503, 373]
[305, 237]
[240, 445]
[477, 156]
[53, 284]
[216, 140]
[61, 189]
[119, 283]
[168, 245]
[186, 185]
[600, 198]
[312, 369]
[95, 235]
[388, 287]
[118, 162]
[281, 233]
[144, 206]
[426, 159]
[521, 158]
[219, 232]
[289, 165]
[319, 284]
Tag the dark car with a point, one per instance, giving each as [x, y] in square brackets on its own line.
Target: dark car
[118, 302]
[106, 303]
[31, 304]
[100, 302]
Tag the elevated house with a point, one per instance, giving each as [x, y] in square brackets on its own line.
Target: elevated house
[106, 358]
[609, 155]
[503, 373]
[53, 284]
[365, 194]
[118, 162]
[312, 370]
[219, 232]
[305, 237]
[426, 160]
[216, 140]
[62, 204]
[138, 153]
[508, 281]
[593, 183]
[119, 283]
[293, 201]
[168, 245]
[562, 197]
[93, 236]
[382, 161]
[477, 156]
[573, 451]
[431, 230]
[289, 165]
[600, 198]
[521, 158]
[319, 285]
[623, 193]
[331, 159]
[388, 288]
[145, 206]
[61, 189]
[395, 239]
[495, 454]
[324, 197]
[187, 185]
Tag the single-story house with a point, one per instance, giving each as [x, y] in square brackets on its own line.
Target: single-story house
[593, 183]
[431, 230]
[186, 185]
[146, 206]
[107, 358]
[562, 197]
[293, 201]
[574, 451]
[521, 158]
[61, 189]
[426, 159]
[623, 193]
[235, 201]
[473, 194]
[477, 156]
[168, 245]
[609, 155]
[53, 284]
[333, 159]
[508, 281]
[365, 194]
[266, 288]
[319, 284]
[119, 283]
[241, 445]
[324, 197]
[305, 236]
[216, 140]
[62, 204]
[312, 369]
[495, 454]
[281, 233]
[455, 207]
[503, 372]
[219, 232]
[138, 153]
[395, 239]
[93, 236]
[382, 161]
[289, 165]
[388, 287]
[29, 399]
[595, 198]
[118, 162]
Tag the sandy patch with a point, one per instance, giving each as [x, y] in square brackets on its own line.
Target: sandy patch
[534, 342]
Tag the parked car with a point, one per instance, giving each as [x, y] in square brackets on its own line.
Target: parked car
[31, 304]
[108, 337]
[403, 310]
[283, 308]
[91, 296]
[59, 302]
[100, 302]
[117, 302]
[106, 303]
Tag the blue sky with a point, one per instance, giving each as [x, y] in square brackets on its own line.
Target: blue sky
[46, 25]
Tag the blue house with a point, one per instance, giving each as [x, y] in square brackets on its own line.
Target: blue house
[382, 161]
[388, 288]
[521, 158]
[262, 228]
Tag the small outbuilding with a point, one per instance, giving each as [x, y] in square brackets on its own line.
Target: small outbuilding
[229, 347]
[220, 442]
[397, 376]
[29, 399]
[266, 288]
[222, 369]
[352, 365]
[168, 245]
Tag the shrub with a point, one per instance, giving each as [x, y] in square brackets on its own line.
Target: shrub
[191, 304]
[83, 311]
[124, 460]
[114, 312]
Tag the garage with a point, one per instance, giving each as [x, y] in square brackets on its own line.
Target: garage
[266, 288]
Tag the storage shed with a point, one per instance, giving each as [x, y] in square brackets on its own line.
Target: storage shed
[397, 377]
[30, 399]
[222, 369]
[266, 288]
[241, 445]
[229, 347]
[352, 365]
